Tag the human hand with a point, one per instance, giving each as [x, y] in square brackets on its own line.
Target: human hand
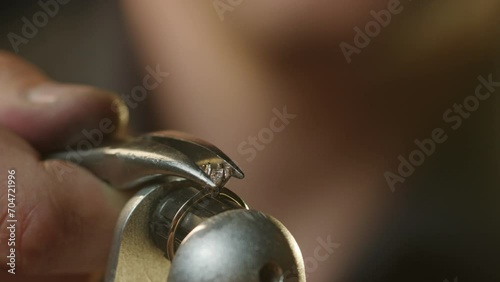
[65, 216]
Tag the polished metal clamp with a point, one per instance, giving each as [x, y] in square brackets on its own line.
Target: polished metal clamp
[183, 224]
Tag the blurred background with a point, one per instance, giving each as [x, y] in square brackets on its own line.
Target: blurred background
[233, 64]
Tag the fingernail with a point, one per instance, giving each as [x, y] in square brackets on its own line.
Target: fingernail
[120, 108]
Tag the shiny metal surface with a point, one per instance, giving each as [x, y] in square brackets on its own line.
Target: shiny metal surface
[183, 208]
[126, 164]
[238, 246]
[211, 159]
[183, 223]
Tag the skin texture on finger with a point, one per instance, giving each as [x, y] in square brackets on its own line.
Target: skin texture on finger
[66, 216]
[51, 115]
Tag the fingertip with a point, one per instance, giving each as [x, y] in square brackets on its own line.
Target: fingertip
[53, 115]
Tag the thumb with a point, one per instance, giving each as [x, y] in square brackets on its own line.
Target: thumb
[50, 115]
[64, 224]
